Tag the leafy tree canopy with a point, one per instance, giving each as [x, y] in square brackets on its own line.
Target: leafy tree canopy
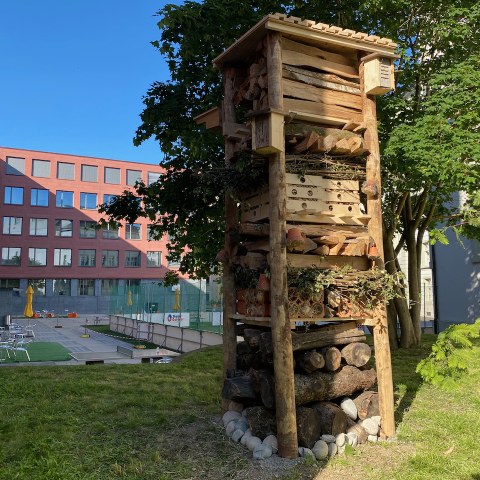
[425, 150]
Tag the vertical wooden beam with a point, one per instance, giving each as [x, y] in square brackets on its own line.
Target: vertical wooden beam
[231, 220]
[280, 324]
[374, 209]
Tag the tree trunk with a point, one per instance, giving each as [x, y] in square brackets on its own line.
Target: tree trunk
[392, 325]
[407, 335]
[413, 284]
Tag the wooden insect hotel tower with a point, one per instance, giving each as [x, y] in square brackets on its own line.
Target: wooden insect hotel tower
[299, 103]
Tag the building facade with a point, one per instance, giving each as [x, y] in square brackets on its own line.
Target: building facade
[49, 238]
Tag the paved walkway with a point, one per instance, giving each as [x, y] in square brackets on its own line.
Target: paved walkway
[70, 336]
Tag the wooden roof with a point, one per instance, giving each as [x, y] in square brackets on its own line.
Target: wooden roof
[321, 33]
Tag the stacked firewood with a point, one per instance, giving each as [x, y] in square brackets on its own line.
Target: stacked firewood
[332, 372]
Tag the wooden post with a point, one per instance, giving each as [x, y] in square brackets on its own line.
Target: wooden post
[374, 209]
[231, 215]
[280, 324]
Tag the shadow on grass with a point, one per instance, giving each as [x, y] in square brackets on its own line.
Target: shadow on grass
[406, 381]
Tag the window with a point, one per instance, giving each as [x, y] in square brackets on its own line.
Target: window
[133, 176]
[89, 173]
[112, 175]
[9, 283]
[174, 263]
[151, 234]
[12, 225]
[13, 196]
[109, 231]
[86, 287]
[62, 257]
[109, 286]
[154, 259]
[38, 286]
[132, 258]
[38, 227]
[37, 257]
[15, 166]
[132, 231]
[88, 201]
[110, 258]
[41, 168]
[153, 177]
[62, 286]
[65, 171]
[107, 198]
[38, 197]
[88, 229]
[64, 199]
[132, 283]
[11, 255]
[86, 258]
[63, 228]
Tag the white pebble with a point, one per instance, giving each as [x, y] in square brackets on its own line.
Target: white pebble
[370, 426]
[352, 439]
[229, 416]
[241, 424]
[377, 419]
[320, 450]
[340, 439]
[372, 438]
[262, 451]
[252, 442]
[332, 449]
[306, 452]
[272, 442]
[237, 435]
[328, 438]
[245, 437]
[230, 428]
[349, 407]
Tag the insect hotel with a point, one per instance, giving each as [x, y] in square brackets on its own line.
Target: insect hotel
[303, 251]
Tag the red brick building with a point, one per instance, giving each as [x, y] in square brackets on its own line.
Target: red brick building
[49, 205]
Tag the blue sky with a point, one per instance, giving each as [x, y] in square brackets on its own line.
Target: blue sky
[73, 75]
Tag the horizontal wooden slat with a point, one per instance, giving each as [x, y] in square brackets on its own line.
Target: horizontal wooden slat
[303, 91]
[340, 115]
[306, 261]
[288, 44]
[211, 118]
[323, 80]
[299, 59]
[329, 219]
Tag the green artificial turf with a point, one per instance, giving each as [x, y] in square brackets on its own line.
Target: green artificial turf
[39, 352]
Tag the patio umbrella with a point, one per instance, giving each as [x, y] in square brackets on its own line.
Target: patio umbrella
[129, 299]
[28, 312]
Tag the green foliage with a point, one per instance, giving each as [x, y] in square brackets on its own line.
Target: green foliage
[448, 359]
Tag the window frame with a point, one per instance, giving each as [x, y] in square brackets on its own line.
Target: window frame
[30, 227]
[11, 189]
[6, 262]
[62, 192]
[35, 259]
[10, 225]
[60, 254]
[61, 228]
[34, 192]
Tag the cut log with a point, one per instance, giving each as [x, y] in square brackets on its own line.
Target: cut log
[333, 358]
[310, 361]
[333, 418]
[265, 387]
[319, 386]
[357, 354]
[261, 245]
[367, 405]
[262, 422]
[308, 426]
[309, 245]
[336, 249]
[356, 249]
[239, 389]
[330, 240]
[252, 337]
[323, 250]
[341, 147]
[306, 143]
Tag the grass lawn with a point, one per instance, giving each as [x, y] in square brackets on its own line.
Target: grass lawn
[155, 421]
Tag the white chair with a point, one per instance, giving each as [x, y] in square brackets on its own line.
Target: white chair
[20, 346]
